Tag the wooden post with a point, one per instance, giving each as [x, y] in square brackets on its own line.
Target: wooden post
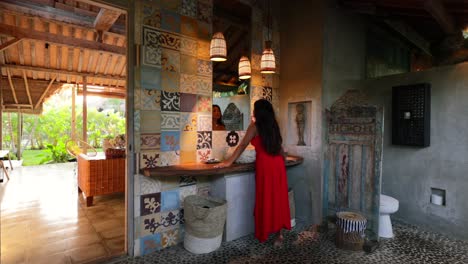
[73, 113]
[1, 115]
[85, 112]
[20, 130]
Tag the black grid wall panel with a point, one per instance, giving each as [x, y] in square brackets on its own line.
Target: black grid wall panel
[411, 117]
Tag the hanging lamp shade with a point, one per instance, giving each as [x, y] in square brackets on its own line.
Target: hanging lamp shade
[245, 72]
[268, 64]
[218, 50]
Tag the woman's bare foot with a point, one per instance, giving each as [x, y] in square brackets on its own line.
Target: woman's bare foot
[279, 240]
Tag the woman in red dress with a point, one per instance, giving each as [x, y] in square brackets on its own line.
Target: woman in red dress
[271, 185]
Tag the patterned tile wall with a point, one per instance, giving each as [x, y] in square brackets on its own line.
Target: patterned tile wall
[172, 98]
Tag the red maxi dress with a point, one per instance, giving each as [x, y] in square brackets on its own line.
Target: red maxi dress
[271, 193]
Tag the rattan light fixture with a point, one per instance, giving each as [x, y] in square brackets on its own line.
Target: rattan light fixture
[218, 50]
[268, 63]
[245, 71]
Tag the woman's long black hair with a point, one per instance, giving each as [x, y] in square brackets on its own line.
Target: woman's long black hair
[220, 119]
[267, 127]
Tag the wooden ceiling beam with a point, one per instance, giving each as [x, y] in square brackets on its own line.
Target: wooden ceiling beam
[105, 19]
[106, 6]
[64, 72]
[103, 94]
[440, 14]
[26, 84]
[411, 35]
[44, 93]
[33, 57]
[9, 43]
[60, 39]
[12, 86]
[55, 14]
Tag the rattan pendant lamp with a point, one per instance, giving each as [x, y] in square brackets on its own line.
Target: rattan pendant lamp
[218, 50]
[267, 63]
[245, 71]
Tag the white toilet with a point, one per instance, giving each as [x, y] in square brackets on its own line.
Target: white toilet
[388, 205]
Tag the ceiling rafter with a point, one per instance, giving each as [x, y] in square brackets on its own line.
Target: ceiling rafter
[60, 39]
[105, 19]
[12, 86]
[44, 93]
[54, 14]
[64, 72]
[10, 43]
[440, 14]
[26, 85]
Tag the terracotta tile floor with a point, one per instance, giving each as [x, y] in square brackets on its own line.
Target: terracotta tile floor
[44, 220]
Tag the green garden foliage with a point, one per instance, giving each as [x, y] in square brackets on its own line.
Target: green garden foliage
[52, 129]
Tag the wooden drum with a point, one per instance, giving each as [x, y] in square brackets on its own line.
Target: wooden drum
[350, 230]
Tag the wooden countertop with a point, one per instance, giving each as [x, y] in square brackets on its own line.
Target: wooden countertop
[201, 169]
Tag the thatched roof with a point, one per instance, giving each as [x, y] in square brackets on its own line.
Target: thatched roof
[44, 44]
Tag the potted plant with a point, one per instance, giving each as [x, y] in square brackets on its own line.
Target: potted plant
[107, 142]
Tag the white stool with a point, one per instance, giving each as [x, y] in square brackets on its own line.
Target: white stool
[388, 205]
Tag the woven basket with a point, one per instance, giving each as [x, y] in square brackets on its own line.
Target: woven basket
[115, 153]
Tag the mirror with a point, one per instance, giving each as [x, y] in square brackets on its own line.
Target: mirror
[231, 94]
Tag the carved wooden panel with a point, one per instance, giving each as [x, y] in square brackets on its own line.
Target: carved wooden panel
[353, 159]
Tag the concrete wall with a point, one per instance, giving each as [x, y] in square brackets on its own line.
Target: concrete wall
[343, 53]
[301, 80]
[409, 173]
[343, 57]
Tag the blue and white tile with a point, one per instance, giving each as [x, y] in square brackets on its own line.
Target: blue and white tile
[204, 68]
[150, 121]
[150, 141]
[170, 238]
[149, 185]
[170, 121]
[170, 81]
[151, 56]
[232, 139]
[149, 159]
[188, 83]
[169, 158]
[157, 223]
[203, 155]
[189, 122]
[170, 200]
[205, 11]
[204, 140]
[170, 101]
[170, 60]
[187, 180]
[150, 203]
[150, 99]
[188, 46]
[170, 21]
[186, 191]
[204, 85]
[150, 244]
[204, 122]
[170, 141]
[189, 8]
[150, 78]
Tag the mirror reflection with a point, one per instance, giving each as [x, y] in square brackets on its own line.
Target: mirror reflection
[231, 96]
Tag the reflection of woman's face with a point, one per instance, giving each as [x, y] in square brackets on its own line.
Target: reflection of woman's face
[216, 113]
